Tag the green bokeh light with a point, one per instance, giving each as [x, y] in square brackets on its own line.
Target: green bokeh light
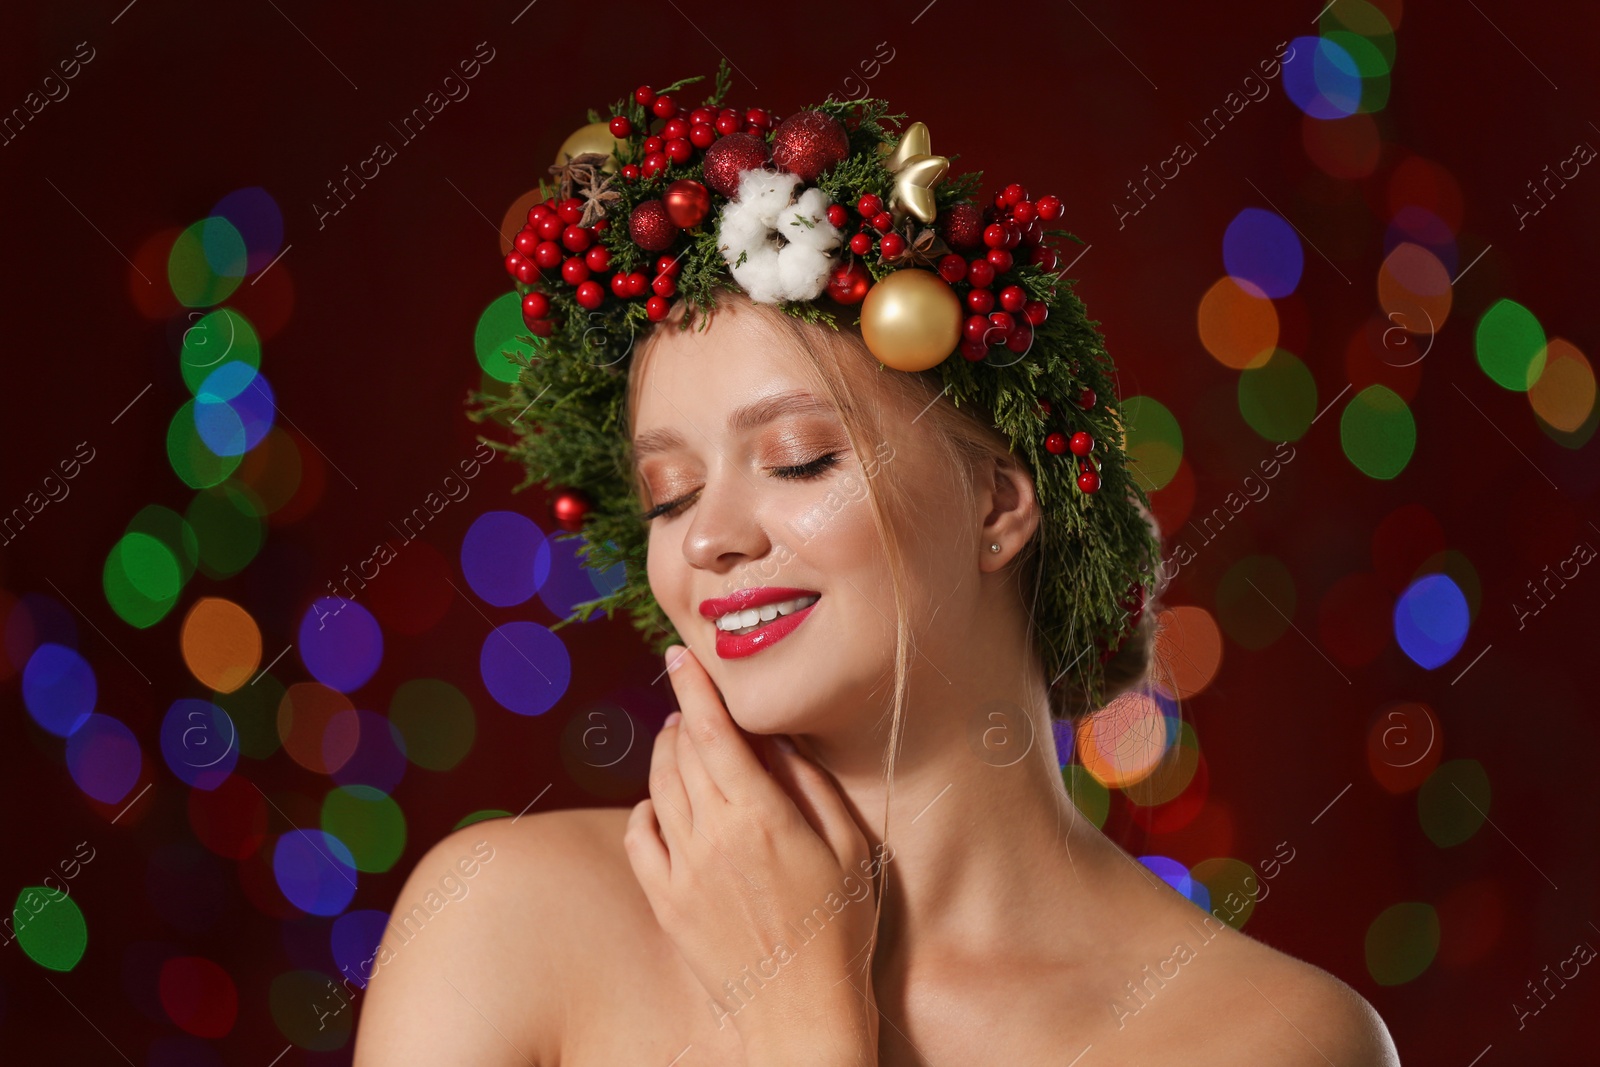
[1510, 344]
[1255, 600]
[436, 720]
[1155, 441]
[479, 816]
[224, 247]
[1374, 95]
[191, 458]
[1369, 59]
[369, 822]
[1377, 432]
[1363, 20]
[206, 263]
[170, 528]
[1454, 802]
[214, 339]
[1087, 792]
[498, 329]
[50, 928]
[1279, 398]
[141, 579]
[227, 520]
[494, 387]
[1235, 888]
[1401, 942]
[253, 707]
[308, 1011]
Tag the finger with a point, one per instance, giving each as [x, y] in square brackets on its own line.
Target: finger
[818, 798]
[647, 853]
[674, 811]
[704, 797]
[730, 763]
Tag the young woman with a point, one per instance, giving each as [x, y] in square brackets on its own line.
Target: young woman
[767, 906]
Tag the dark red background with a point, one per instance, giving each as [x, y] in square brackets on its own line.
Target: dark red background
[186, 102]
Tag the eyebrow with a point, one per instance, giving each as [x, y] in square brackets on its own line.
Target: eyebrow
[756, 413]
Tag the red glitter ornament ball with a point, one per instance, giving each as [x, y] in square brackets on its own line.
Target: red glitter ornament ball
[650, 227]
[962, 227]
[809, 143]
[730, 157]
[570, 507]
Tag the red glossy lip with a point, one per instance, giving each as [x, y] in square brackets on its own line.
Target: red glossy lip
[754, 597]
[737, 646]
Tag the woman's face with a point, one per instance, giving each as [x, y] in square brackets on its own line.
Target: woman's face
[758, 493]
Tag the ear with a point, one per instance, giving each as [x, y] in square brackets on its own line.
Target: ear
[1011, 512]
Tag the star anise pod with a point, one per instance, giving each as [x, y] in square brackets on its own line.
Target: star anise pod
[578, 168]
[597, 195]
[924, 249]
[585, 176]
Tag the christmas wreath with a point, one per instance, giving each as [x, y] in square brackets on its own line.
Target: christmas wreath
[838, 212]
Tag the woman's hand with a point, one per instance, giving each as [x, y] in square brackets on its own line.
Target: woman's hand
[763, 882]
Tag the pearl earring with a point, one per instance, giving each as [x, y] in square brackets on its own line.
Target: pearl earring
[994, 548]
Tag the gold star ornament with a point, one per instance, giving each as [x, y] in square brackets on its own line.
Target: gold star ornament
[917, 170]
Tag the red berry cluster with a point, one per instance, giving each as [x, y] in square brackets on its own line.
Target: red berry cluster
[998, 314]
[552, 243]
[849, 282]
[1080, 443]
[682, 135]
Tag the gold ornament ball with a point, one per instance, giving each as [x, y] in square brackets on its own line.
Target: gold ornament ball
[595, 137]
[911, 320]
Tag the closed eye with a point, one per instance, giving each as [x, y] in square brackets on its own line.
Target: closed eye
[814, 469]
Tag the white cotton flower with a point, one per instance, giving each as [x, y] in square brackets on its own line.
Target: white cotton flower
[777, 247]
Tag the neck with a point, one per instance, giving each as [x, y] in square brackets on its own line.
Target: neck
[981, 833]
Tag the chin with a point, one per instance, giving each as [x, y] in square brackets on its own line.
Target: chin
[806, 701]
[756, 712]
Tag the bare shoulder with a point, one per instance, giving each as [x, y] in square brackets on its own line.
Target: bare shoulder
[484, 955]
[1309, 1016]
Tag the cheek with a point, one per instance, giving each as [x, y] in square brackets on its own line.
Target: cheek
[844, 542]
[667, 573]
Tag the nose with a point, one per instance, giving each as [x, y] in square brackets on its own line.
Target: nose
[726, 530]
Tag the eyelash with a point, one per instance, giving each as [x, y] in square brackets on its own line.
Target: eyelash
[804, 471]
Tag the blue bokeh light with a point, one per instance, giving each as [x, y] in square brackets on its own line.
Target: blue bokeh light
[570, 582]
[525, 667]
[1322, 79]
[355, 939]
[59, 688]
[104, 759]
[1261, 248]
[1171, 872]
[257, 217]
[315, 871]
[1431, 620]
[340, 643]
[380, 756]
[199, 743]
[505, 557]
